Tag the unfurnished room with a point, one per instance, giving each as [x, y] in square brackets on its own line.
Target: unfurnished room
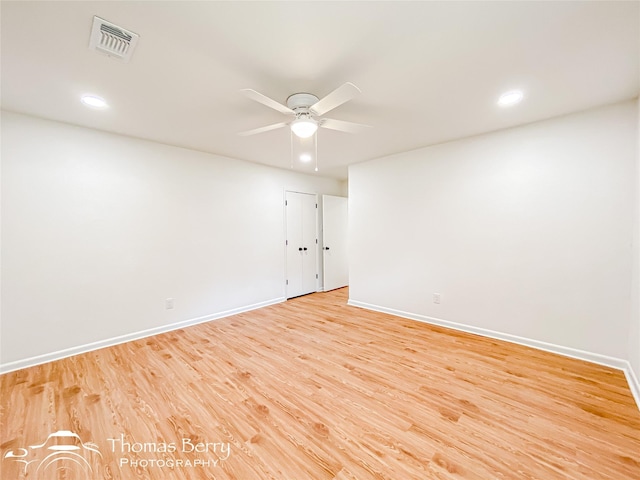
[316, 240]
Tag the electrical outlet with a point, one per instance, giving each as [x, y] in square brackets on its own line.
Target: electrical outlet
[168, 303]
[437, 298]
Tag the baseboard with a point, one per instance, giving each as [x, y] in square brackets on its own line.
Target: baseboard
[50, 357]
[634, 384]
[613, 362]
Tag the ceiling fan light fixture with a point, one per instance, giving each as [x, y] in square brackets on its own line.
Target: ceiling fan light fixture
[304, 127]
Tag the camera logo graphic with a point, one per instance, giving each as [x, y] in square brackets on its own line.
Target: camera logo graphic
[61, 451]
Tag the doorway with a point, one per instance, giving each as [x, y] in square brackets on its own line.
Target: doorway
[335, 218]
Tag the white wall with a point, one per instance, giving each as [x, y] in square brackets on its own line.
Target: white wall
[634, 332]
[525, 232]
[99, 229]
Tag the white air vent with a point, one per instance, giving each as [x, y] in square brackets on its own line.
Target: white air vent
[112, 40]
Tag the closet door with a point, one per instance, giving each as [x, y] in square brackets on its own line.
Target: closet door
[301, 243]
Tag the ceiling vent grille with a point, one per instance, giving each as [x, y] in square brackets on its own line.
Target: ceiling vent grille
[112, 40]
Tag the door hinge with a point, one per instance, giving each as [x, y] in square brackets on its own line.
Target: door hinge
[286, 242]
[287, 282]
[316, 276]
[316, 205]
[286, 203]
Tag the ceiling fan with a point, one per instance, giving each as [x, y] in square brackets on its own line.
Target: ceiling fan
[305, 107]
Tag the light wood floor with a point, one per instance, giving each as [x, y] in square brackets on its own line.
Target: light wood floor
[312, 389]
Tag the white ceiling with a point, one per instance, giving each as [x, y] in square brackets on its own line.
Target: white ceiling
[429, 71]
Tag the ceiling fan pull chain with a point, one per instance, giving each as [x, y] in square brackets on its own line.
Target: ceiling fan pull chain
[291, 136]
[315, 142]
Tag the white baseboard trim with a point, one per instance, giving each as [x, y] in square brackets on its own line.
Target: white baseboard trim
[607, 361]
[634, 384]
[50, 357]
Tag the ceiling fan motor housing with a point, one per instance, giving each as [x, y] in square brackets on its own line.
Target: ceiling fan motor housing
[300, 102]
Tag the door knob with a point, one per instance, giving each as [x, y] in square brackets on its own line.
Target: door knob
[300, 249]
[326, 248]
[305, 249]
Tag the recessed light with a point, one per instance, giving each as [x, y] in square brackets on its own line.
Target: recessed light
[94, 101]
[511, 98]
[305, 157]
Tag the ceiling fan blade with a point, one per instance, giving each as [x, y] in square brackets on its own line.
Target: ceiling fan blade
[343, 126]
[269, 102]
[262, 129]
[336, 98]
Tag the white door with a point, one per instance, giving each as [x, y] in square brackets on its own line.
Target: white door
[334, 242]
[301, 243]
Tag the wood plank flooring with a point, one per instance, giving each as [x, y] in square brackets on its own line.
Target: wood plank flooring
[313, 389]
